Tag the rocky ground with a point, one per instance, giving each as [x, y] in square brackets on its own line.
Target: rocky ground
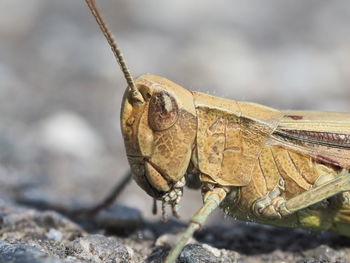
[120, 234]
[60, 140]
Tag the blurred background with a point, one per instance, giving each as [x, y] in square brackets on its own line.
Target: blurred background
[61, 88]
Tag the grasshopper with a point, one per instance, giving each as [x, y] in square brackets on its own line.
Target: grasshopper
[285, 168]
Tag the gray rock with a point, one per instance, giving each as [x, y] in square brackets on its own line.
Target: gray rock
[194, 253]
[314, 260]
[158, 255]
[325, 253]
[98, 248]
[29, 235]
[119, 218]
[19, 253]
[36, 236]
[19, 222]
[54, 235]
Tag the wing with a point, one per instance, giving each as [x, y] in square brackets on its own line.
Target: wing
[323, 135]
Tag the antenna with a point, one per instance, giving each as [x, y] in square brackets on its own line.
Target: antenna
[135, 94]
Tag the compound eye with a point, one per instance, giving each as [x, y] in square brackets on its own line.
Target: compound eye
[162, 112]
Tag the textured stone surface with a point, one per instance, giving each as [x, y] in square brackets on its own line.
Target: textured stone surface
[47, 236]
[197, 254]
[18, 253]
[99, 249]
[61, 89]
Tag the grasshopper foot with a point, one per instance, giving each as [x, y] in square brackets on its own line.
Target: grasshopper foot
[269, 208]
[271, 205]
[173, 198]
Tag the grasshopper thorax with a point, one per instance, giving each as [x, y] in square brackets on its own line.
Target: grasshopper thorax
[159, 134]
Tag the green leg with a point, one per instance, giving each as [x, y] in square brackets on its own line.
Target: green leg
[211, 201]
[328, 189]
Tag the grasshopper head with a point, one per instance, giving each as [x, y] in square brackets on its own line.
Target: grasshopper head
[159, 131]
[158, 122]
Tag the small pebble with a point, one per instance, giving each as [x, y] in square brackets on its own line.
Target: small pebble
[54, 235]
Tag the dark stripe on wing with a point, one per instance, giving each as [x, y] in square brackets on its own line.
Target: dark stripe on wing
[330, 139]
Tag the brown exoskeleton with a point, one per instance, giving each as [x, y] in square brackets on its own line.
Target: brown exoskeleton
[288, 168]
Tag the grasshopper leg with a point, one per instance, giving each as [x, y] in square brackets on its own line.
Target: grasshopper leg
[267, 205]
[109, 200]
[316, 194]
[212, 200]
[277, 207]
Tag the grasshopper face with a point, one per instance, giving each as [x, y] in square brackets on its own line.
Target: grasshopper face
[159, 134]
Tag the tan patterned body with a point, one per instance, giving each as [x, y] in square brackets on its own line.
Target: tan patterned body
[237, 146]
[265, 156]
